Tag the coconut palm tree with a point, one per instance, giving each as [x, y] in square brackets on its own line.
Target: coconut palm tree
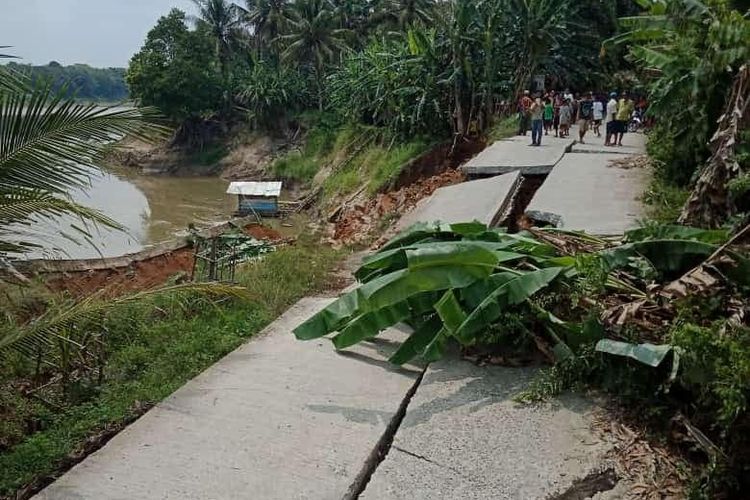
[314, 39]
[221, 18]
[536, 29]
[49, 145]
[404, 13]
[267, 19]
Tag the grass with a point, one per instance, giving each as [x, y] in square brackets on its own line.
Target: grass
[303, 165]
[209, 156]
[153, 349]
[664, 201]
[507, 127]
[296, 166]
[376, 166]
[358, 155]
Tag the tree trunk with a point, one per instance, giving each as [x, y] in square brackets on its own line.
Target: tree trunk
[319, 81]
[710, 204]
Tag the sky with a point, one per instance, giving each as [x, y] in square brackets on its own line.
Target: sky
[100, 33]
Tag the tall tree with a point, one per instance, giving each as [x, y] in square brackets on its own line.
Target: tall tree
[221, 19]
[314, 39]
[267, 20]
[402, 14]
[536, 29]
[176, 71]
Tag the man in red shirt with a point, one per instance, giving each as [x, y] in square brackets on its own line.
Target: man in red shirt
[524, 117]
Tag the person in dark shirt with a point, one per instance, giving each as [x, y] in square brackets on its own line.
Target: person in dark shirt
[585, 115]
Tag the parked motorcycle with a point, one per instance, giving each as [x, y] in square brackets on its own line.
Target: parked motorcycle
[636, 121]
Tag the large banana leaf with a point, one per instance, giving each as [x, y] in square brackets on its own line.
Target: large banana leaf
[435, 231]
[419, 341]
[387, 261]
[387, 291]
[675, 232]
[648, 354]
[370, 324]
[673, 258]
[515, 291]
[450, 311]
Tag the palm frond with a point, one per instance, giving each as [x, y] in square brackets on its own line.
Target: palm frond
[56, 324]
[52, 143]
[22, 207]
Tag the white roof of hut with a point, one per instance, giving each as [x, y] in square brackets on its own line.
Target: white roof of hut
[255, 188]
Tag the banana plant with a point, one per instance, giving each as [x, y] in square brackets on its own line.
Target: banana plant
[456, 281]
[448, 281]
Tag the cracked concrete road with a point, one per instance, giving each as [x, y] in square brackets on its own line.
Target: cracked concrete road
[463, 437]
[275, 419]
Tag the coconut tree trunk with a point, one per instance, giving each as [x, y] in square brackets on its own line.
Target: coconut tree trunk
[710, 203]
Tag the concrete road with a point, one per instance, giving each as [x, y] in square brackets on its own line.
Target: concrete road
[516, 155]
[275, 419]
[464, 438]
[586, 192]
[483, 200]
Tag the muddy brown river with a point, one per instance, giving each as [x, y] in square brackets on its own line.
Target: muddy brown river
[153, 209]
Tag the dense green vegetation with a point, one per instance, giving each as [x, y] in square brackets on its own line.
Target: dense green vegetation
[150, 347]
[80, 81]
[693, 56]
[411, 68]
[656, 320]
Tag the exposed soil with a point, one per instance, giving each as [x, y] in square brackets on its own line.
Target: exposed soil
[261, 232]
[141, 275]
[436, 161]
[137, 276]
[360, 222]
[517, 218]
[249, 157]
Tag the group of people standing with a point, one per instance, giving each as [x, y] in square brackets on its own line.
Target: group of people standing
[559, 110]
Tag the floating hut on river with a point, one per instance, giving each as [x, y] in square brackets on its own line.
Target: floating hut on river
[261, 198]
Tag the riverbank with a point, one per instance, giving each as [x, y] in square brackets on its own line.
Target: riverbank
[152, 348]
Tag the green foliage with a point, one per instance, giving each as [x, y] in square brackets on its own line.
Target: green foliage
[50, 144]
[313, 40]
[690, 50]
[296, 166]
[152, 348]
[394, 83]
[415, 68]
[79, 81]
[664, 200]
[270, 93]
[505, 128]
[716, 368]
[377, 165]
[320, 140]
[176, 70]
[452, 280]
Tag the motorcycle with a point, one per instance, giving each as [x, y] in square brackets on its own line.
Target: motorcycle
[636, 121]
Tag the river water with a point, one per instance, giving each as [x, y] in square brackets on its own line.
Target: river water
[153, 209]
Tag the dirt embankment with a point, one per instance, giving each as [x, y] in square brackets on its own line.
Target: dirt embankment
[363, 219]
[241, 157]
[140, 274]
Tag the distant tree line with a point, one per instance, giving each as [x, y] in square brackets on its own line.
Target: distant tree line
[410, 67]
[79, 80]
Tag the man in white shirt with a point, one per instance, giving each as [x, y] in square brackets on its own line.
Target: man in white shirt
[598, 115]
[609, 119]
